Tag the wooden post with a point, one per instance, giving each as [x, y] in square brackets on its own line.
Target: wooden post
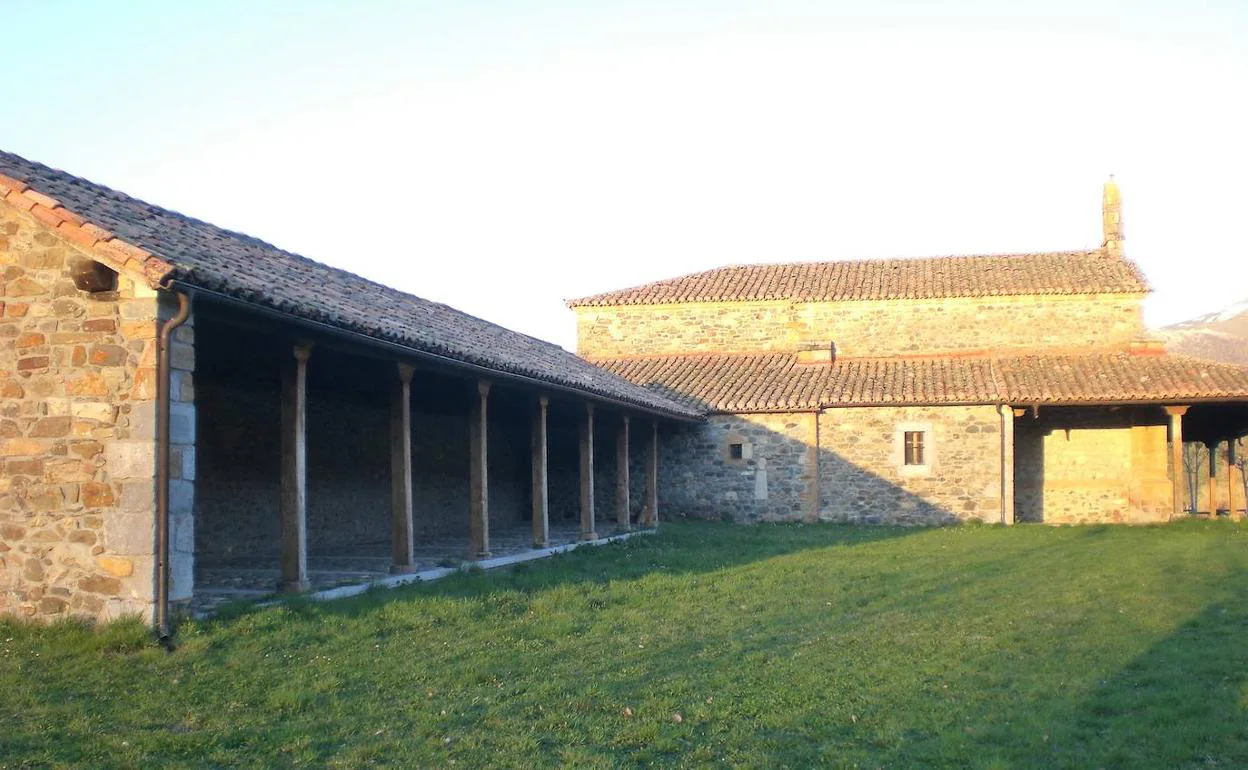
[294, 411]
[1230, 480]
[401, 560]
[479, 471]
[652, 477]
[541, 486]
[587, 475]
[1007, 463]
[1213, 481]
[621, 476]
[1176, 453]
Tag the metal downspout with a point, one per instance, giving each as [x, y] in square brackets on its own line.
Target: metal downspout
[163, 401]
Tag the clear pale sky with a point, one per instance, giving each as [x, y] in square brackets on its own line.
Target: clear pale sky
[504, 156]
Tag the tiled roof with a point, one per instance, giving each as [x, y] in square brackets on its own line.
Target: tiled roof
[777, 382]
[165, 245]
[1044, 379]
[1064, 272]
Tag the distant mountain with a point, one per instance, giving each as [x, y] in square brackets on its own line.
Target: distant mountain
[1220, 336]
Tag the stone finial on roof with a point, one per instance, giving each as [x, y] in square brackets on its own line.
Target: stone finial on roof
[1111, 214]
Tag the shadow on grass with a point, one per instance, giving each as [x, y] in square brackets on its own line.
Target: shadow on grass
[1183, 703]
[673, 550]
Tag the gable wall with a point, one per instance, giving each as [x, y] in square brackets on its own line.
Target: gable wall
[77, 428]
[861, 328]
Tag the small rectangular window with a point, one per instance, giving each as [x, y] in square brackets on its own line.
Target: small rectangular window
[914, 447]
[736, 451]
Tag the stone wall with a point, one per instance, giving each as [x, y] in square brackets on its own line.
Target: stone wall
[563, 470]
[183, 456]
[861, 328]
[1092, 465]
[863, 478]
[859, 468]
[772, 481]
[239, 463]
[77, 426]
[637, 330]
[1072, 466]
[606, 432]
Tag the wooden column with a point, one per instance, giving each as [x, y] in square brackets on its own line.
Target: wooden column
[401, 560]
[587, 475]
[294, 512]
[479, 470]
[541, 485]
[621, 475]
[1007, 463]
[1176, 453]
[652, 477]
[1230, 480]
[1213, 480]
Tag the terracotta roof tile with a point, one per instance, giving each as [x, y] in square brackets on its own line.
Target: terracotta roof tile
[1065, 272]
[777, 382]
[1119, 376]
[162, 244]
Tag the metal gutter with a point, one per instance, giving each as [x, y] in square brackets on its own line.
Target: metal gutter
[1169, 400]
[404, 350]
[1020, 402]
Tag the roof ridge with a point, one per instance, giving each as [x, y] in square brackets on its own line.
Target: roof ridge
[99, 234]
[168, 245]
[693, 354]
[984, 354]
[1066, 272]
[124, 196]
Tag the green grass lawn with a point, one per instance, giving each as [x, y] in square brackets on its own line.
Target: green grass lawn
[764, 646]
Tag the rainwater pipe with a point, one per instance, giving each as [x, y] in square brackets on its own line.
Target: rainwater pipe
[163, 404]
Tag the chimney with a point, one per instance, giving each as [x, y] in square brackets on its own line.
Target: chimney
[821, 352]
[1111, 214]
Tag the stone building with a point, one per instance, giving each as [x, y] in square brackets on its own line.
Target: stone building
[187, 411]
[1018, 387]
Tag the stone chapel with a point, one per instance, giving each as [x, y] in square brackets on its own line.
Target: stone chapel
[1001, 388]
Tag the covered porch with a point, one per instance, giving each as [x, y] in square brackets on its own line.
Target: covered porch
[1215, 460]
[319, 464]
[1127, 462]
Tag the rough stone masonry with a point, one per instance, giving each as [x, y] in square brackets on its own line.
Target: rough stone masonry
[77, 430]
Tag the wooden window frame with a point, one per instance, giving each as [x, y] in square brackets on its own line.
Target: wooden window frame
[928, 453]
[914, 447]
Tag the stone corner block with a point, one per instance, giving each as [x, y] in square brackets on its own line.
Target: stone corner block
[130, 459]
[130, 532]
